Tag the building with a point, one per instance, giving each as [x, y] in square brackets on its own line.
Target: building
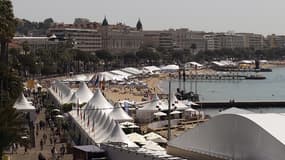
[217, 41]
[190, 40]
[90, 37]
[275, 41]
[158, 39]
[34, 43]
[253, 41]
[87, 40]
[120, 38]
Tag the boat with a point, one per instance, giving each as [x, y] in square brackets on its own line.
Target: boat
[255, 77]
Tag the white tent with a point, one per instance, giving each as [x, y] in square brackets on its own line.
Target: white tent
[121, 73]
[137, 138]
[99, 102]
[100, 127]
[171, 68]
[23, 105]
[146, 113]
[234, 110]
[151, 70]
[179, 105]
[192, 65]
[119, 115]
[107, 76]
[234, 136]
[60, 92]
[80, 78]
[155, 137]
[132, 70]
[83, 94]
[152, 146]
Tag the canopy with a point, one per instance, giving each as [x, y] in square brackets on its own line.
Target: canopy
[121, 73]
[137, 138]
[80, 78]
[150, 145]
[107, 76]
[155, 137]
[171, 67]
[151, 69]
[132, 70]
[22, 104]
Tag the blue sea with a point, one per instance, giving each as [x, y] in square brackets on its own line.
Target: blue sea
[272, 88]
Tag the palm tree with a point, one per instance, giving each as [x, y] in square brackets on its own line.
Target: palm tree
[11, 128]
[7, 27]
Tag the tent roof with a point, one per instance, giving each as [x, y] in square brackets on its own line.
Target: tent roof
[150, 145]
[121, 73]
[151, 68]
[89, 148]
[216, 136]
[118, 114]
[84, 93]
[107, 76]
[154, 105]
[195, 64]
[138, 138]
[23, 104]
[235, 110]
[155, 137]
[98, 101]
[170, 67]
[132, 70]
[118, 135]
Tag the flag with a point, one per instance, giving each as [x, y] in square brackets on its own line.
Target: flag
[93, 126]
[96, 82]
[84, 116]
[88, 122]
[77, 105]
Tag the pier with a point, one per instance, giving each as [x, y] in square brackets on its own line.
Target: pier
[241, 104]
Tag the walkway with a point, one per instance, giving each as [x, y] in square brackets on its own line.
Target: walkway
[33, 153]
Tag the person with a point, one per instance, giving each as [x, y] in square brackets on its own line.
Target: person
[53, 152]
[26, 149]
[62, 150]
[42, 144]
[45, 138]
[41, 156]
[50, 140]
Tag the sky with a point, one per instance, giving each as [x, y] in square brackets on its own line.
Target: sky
[257, 16]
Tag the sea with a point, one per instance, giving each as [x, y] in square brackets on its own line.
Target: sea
[272, 88]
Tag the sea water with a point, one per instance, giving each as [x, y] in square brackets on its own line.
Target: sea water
[270, 89]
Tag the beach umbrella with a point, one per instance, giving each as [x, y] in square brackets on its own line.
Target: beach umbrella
[59, 116]
[175, 112]
[55, 110]
[160, 114]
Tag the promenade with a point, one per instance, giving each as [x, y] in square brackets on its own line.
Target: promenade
[33, 153]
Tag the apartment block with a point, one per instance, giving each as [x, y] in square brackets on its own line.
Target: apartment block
[88, 40]
[275, 41]
[253, 41]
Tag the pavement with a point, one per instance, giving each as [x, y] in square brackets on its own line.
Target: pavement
[32, 153]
